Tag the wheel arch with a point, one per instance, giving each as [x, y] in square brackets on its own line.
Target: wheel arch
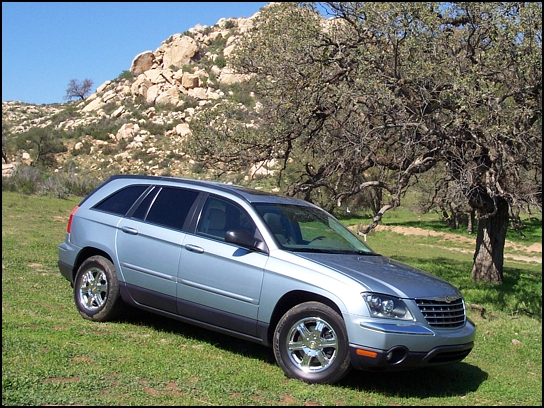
[86, 253]
[291, 299]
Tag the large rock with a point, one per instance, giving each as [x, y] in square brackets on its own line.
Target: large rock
[127, 131]
[189, 81]
[140, 86]
[178, 52]
[228, 77]
[169, 97]
[8, 169]
[142, 62]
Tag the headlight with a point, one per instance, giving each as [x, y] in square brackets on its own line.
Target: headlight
[386, 306]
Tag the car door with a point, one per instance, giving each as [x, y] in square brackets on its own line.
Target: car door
[220, 283]
[149, 245]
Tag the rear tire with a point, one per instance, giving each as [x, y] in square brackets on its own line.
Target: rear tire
[311, 344]
[96, 290]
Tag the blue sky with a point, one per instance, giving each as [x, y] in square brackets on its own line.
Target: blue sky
[45, 45]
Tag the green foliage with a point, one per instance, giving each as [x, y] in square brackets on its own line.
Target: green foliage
[70, 111]
[188, 101]
[230, 24]
[25, 180]
[207, 30]
[220, 61]
[218, 45]
[42, 143]
[126, 75]
[61, 184]
[99, 130]
[240, 92]
[110, 107]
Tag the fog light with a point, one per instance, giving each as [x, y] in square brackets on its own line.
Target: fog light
[396, 355]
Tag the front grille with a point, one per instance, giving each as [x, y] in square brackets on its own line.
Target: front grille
[441, 313]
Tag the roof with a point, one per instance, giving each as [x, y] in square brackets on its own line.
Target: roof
[248, 194]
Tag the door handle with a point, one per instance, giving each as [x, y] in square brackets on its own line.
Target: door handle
[129, 230]
[194, 248]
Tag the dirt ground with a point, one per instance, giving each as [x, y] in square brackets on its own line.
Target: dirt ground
[531, 253]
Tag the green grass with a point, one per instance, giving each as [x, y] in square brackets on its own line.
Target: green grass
[51, 356]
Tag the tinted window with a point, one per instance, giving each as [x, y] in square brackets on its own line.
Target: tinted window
[171, 206]
[220, 216]
[141, 212]
[121, 201]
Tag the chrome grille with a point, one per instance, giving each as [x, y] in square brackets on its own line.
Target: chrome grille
[441, 313]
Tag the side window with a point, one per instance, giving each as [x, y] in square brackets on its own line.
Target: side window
[171, 207]
[220, 216]
[121, 201]
[141, 212]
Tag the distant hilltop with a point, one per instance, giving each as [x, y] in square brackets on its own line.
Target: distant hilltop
[163, 88]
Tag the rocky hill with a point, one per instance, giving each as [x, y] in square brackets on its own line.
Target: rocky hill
[136, 122]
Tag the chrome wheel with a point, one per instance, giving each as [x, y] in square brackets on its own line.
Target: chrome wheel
[93, 289]
[312, 344]
[96, 290]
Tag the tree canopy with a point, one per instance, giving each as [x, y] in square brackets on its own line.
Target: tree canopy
[77, 89]
[380, 93]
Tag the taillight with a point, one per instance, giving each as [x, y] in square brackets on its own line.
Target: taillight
[69, 227]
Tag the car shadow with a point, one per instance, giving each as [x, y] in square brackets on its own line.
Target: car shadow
[222, 341]
[456, 379]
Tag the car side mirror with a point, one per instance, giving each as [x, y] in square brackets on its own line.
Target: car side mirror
[245, 239]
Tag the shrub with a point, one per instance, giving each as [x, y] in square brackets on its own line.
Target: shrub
[42, 143]
[229, 24]
[220, 61]
[126, 75]
[24, 180]
[33, 180]
[239, 92]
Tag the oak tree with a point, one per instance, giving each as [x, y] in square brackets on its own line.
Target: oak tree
[381, 93]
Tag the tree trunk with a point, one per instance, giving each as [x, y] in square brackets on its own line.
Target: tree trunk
[470, 226]
[489, 255]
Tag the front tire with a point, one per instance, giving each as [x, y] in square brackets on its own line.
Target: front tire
[96, 290]
[311, 344]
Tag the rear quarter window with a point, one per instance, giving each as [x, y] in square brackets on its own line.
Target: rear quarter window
[120, 202]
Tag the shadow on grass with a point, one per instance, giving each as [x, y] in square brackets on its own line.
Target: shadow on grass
[449, 380]
[456, 379]
[228, 343]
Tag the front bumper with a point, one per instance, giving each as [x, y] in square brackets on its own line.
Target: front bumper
[379, 345]
[400, 358]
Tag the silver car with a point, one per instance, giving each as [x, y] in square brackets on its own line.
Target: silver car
[270, 269]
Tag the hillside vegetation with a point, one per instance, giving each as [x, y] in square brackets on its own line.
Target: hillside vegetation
[135, 123]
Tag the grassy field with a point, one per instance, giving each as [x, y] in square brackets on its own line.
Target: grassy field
[51, 356]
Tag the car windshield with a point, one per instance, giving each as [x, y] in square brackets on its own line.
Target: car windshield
[309, 229]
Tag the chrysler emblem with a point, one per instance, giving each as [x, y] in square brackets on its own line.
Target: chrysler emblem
[448, 300]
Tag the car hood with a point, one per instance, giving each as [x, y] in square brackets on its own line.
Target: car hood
[384, 275]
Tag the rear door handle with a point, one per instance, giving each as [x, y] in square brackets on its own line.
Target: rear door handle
[194, 248]
[130, 230]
